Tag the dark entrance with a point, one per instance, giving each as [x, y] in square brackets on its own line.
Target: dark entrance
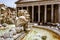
[42, 13]
[35, 13]
[55, 13]
[30, 12]
[25, 8]
[48, 13]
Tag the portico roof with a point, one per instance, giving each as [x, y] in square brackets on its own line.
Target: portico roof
[29, 1]
[24, 1]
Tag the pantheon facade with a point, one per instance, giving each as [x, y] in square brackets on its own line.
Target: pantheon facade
[41, 10]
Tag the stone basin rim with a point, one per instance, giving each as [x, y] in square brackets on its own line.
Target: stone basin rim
[48, 28]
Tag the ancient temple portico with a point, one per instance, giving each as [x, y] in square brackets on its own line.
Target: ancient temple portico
[45, 11]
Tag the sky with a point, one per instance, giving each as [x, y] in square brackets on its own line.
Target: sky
[9, 3]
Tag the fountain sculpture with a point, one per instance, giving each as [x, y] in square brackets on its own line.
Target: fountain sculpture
[23, 19]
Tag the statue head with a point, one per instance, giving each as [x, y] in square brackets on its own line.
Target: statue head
[23, 17]
[24, 13]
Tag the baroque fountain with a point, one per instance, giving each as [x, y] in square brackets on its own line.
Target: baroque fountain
[20, 30]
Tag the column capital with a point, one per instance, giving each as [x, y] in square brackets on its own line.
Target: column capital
[32, 6]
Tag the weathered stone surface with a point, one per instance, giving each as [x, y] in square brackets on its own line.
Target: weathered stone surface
[9, 39]
[18, 29]
[8, 35]
[13, 30]
[1, 38]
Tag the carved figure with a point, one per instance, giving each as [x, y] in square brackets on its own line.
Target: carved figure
[23, 19]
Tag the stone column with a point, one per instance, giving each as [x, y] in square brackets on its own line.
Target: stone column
[32, 13]
[27, 8]
[52, 13]
[45, 14]
[39, 13]
[59, 13]
[22, 8]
